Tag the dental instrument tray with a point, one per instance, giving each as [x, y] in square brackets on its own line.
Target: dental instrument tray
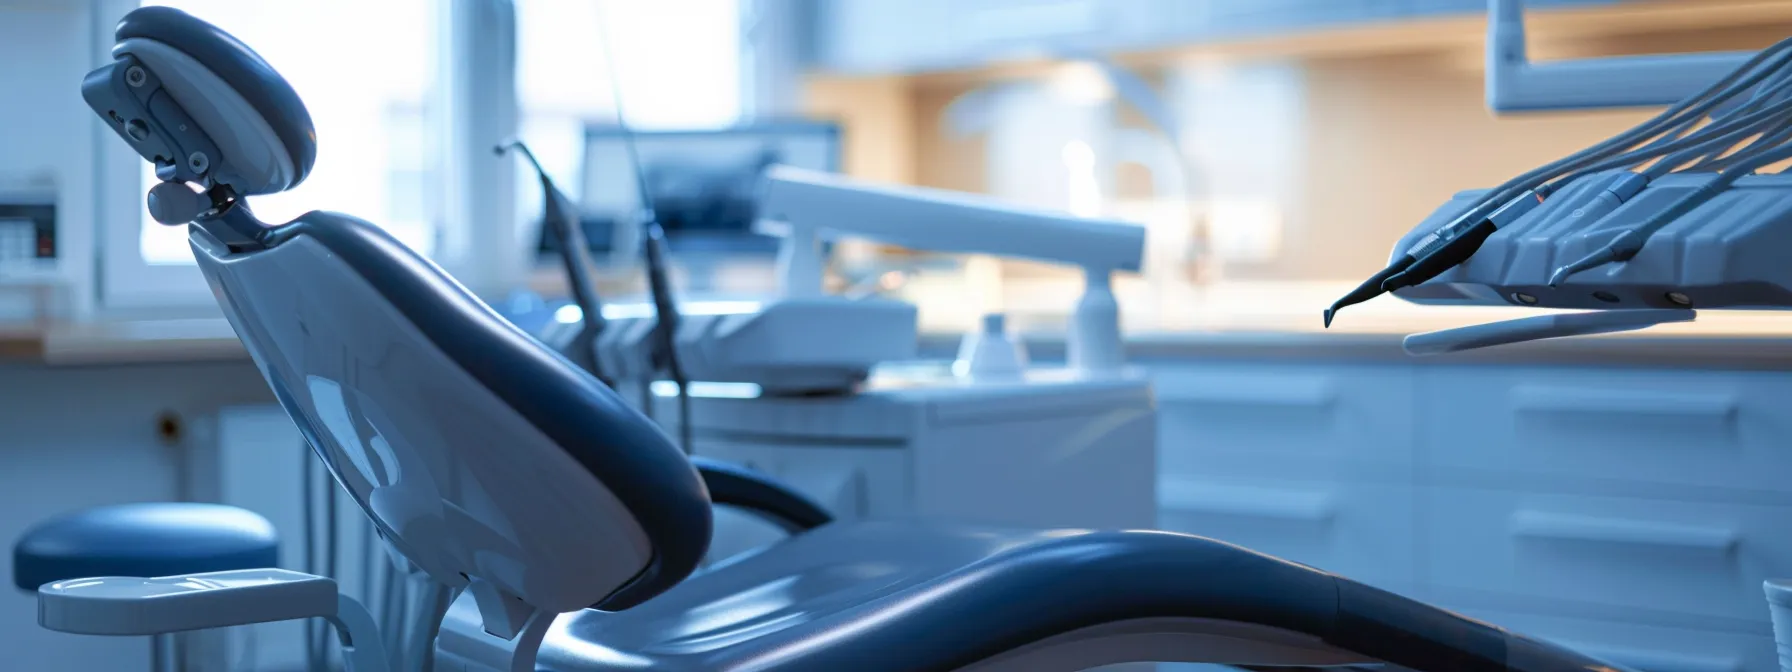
[792, 345]
[1726, 253]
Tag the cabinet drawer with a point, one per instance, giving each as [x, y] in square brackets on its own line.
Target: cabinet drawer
[1710, 429]
[1641, 647]
[1676, 560]
[1362, 531]
[1300, 421]
[853, 482]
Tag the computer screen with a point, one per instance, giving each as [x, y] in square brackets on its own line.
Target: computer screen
[703, 183]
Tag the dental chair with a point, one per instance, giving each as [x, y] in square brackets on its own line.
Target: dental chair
[570, 526]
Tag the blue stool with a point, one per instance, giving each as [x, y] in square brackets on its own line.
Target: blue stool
[150, 539]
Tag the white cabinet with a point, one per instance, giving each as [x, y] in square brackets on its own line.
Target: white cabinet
[1308, 463]
[1678, 561]
[1706, 434]
[1057, 451]
[1363, 531]
[894, 36]
[1641, 647]
[1629, 512]
[1286, 420]
[873, 36]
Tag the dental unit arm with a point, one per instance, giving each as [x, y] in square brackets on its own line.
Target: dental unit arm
[805, 206]
[1597, 230]
[806, 341]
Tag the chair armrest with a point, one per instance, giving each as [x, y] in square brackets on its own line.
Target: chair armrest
[735, 485]
[122, 606]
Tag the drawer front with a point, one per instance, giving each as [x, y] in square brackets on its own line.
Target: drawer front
[1286, 421]
[1710, 429]
[1362, 531]
[1674, 560]
[1095, 467]
[852, 482]
[1641, 647]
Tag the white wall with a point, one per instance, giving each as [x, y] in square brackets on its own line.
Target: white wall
[46, 131]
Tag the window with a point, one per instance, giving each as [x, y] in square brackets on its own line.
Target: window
[677, 66]
[367, 96]
[368, 72]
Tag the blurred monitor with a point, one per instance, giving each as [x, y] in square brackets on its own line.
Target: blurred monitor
[703, 183]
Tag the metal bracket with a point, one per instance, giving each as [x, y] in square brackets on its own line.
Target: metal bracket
[467, 643]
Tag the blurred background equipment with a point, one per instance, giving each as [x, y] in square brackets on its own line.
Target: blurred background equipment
[32, 260]
[704, 183]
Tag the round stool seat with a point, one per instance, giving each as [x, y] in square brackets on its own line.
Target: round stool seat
[150, 539]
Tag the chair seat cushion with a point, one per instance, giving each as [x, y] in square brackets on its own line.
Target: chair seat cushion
[148, 539]
[912, 595]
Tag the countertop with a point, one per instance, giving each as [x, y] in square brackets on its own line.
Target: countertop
[1242, 321]
[136, 341]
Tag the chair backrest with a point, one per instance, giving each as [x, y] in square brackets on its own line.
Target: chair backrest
[479, 453]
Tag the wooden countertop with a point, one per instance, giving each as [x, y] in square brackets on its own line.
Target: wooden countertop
[1237, 320]
[123, 342]
[1728, 346]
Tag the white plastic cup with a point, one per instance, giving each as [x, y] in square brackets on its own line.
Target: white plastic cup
[992, 353]
[1779, 603]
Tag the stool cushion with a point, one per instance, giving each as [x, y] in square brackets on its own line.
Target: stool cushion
[149, 539]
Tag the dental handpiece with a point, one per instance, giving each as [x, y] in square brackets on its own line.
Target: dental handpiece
[560, 216]
[1438, 251]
